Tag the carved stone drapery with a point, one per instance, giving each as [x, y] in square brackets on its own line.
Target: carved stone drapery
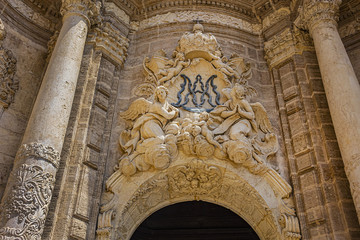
[37, 159]
[341, 85]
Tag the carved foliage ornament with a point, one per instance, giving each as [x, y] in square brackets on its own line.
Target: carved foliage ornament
[316, 11]
[28, 203]
[39, 151]
[199, 105]
[90, 9]
[8, 85]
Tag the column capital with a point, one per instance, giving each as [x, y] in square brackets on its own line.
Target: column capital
[320, 11]
[88, 9]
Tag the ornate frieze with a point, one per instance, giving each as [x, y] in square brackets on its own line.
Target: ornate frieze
[286, 44]
[27, 204]
[320, 11]
[189, 16]
[90, 9]
[8, 84]
[109, 40]
[39, 151]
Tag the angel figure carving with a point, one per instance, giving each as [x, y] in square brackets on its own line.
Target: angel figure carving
[151, 141]
[245, 129]
[179, 64]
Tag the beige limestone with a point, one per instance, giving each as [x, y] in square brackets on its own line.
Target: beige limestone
[341, 86]
[37, 160]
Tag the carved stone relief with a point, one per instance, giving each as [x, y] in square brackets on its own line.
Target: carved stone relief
[27, 203]
[8, 84]
[197, 135]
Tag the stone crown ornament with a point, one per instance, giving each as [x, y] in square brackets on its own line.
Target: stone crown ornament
[199, 44]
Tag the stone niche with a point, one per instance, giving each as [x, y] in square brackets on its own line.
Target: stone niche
[194, 133]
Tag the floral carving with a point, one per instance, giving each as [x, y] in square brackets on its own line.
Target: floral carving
[39, 151]
[27, 203]
[195, 178]
[8, 85]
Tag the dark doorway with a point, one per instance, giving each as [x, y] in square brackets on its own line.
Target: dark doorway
[194, 220]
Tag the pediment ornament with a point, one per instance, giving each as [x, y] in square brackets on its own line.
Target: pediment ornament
[198, 104]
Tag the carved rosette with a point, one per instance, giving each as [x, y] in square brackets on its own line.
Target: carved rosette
[8, 84]
[89, 9]
[320, 11]
[39, 151]
[110, 41]
[27, 203]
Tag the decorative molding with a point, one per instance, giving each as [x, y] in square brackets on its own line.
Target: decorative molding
[8, 84]
[275, 17]
[350, 29]
[51, 44]
[286, 44]
[27, 203]
[236, 9]
[320, 11]
[189, 16]
[110, 41]
[39, 151]
[119, 13]
[33, 16]
[87, 8]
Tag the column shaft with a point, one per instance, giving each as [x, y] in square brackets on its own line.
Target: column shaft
[343, 94]
[31, 182]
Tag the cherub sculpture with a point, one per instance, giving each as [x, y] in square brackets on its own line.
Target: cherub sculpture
[150, 135]
[179, 64]
[246, 128]
[222, 66]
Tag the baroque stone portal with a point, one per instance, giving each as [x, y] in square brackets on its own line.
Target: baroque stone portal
[196, 119]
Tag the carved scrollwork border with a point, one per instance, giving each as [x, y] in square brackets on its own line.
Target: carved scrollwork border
[39, 151]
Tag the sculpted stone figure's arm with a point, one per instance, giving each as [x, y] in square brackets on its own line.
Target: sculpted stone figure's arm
[248, 113]
[161, 110]
[226, 114]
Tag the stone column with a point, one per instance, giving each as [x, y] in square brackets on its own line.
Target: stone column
[341, 85]
[29, 190]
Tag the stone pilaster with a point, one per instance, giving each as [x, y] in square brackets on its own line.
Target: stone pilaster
[341, 85]
[29, 190]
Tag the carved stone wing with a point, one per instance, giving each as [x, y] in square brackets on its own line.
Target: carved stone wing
[239, 65]
[261, 117]
[138, 107]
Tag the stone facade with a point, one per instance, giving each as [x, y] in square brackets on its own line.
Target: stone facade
[97, 133]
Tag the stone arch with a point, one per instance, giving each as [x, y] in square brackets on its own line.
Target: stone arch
[258, 199]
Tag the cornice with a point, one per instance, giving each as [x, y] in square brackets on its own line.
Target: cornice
[230, 8]
[24, 24]
[110, 41]
[286, 44]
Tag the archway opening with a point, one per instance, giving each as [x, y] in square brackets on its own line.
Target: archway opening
[194, 220]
